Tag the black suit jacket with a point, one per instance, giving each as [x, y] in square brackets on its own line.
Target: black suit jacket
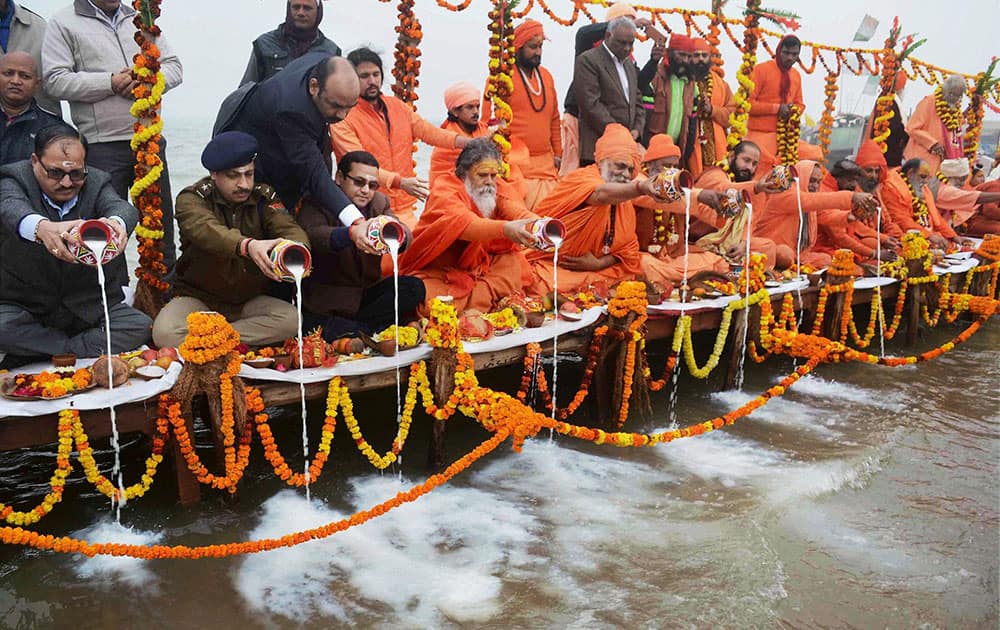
[294, 152]
[601, 98]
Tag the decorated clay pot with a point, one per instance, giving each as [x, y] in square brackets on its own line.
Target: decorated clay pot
[384, 230]
[93, 235]
[472, 326]
[534, 319]
[289, 258]
[670, 184]
[734, 202]
[547, 232]
[782, 176]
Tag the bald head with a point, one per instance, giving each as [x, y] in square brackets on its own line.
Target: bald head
[334, 88]
[18, 81]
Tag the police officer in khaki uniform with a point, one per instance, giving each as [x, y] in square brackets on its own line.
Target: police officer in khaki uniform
[228, 228]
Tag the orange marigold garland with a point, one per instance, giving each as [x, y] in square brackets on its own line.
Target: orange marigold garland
[146, 144]
[500, 84]
[271, 452]
[406, 69]
[984, 83]
[751, 36]
[829, 105]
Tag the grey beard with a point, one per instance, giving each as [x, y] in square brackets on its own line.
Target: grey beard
[608, 177]
[485, 198]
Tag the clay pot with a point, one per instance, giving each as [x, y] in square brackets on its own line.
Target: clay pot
[534, 319]
[63, 360]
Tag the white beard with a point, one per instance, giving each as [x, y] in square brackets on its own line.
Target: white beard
[610, 178]
[485, 198]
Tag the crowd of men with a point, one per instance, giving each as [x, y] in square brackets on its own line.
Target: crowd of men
[309, 149]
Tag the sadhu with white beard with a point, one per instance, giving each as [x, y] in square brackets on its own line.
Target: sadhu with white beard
[595, 204]
[468, 241]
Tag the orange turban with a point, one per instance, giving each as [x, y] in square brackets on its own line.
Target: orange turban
[620, 9]
[661, 146]
[681, 43]
[616, 144]
[701, 45]
[900, 81]
[526, 31]
[870, 155]
[459, 94]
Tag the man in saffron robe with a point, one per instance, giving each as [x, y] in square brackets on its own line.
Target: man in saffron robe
[730, 241]
[714, 102]
[386, 127]
[660, 224]
[536, 114]
[874, 171]
[796, 234]
[961, 204]
[673, 96]
[468, 241]
[594, 202]
[911, 203]
[777, 88]
[839, 229]
[931, 139]
[462, 102]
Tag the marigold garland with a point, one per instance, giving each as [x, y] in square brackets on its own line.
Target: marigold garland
[950, 115]
[921, 213]
[829, 106]
[751, 35]
[57, 483]
[406, 68]
[788, 131]
[500, 85]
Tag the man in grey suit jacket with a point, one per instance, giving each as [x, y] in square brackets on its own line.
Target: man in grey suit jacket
[49, 303]
[607, 89]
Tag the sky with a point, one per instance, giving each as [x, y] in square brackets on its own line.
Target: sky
[213, 39]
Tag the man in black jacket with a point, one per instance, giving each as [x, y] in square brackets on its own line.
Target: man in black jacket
[289, 115]
[294, 37]
[20, 116]
[49, 303]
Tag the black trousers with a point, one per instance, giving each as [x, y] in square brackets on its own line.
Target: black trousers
[377, 309]
[118, 160]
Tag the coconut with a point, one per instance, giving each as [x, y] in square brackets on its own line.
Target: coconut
[119, 370]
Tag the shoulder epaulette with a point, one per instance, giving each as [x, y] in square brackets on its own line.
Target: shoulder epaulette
[269, 196]
[204, 189]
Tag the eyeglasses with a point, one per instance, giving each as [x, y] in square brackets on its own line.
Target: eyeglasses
[361, 182]
[57, 174]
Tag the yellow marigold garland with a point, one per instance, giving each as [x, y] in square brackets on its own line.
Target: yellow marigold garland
[788, 132]
[951, 116]
[67, 418]
[751, 35]
[500, 85]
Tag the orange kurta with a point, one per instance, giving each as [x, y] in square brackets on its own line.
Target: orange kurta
[987, 221]
[925, 130]
[899, 202]
[838, 231]
[587, 228]
[389, 136]
[536, 123]
[668, 263]
[765, 101]
[443, 159]
[458, 252]
[779, 220]
[957, 205]
[723, 104]
[735, 230]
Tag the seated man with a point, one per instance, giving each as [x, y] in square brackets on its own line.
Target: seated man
[595, 204]
[738, 172]
[660, 224]
[346, 292]
[20, 116]
[50, 304]
[839, 229]
[228, 228]
[911, 203]
[779, 219]
[468, 241]
[964, 207]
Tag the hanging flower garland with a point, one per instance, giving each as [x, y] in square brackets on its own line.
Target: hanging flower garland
[146, 144]
[891, 65]
[921, 213]
[829, 105]
[984, 83]
[788, 132]
[500, 85]
[406, 69]
[744, 76]
[105, 485]
[57, 484]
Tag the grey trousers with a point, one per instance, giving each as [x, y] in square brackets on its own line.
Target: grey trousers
[260, 321]
[118, 160]
[25, 335]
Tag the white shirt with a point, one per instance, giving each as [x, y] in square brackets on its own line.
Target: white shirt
[622, 75]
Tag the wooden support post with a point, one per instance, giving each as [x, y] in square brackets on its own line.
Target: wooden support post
[736, 349]
[188, 487]
[443, 363]
[609, 382]
[914, 300]
[835, 306]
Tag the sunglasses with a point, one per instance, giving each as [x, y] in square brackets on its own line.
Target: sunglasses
[361, 182]
[57, 174]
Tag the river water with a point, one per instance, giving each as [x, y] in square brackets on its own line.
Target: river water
[866, 497]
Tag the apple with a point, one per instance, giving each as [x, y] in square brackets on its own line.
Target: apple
[167, 352]
[149, 355]
[163, 362]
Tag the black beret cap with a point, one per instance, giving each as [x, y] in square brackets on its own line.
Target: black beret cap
[229, 149]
